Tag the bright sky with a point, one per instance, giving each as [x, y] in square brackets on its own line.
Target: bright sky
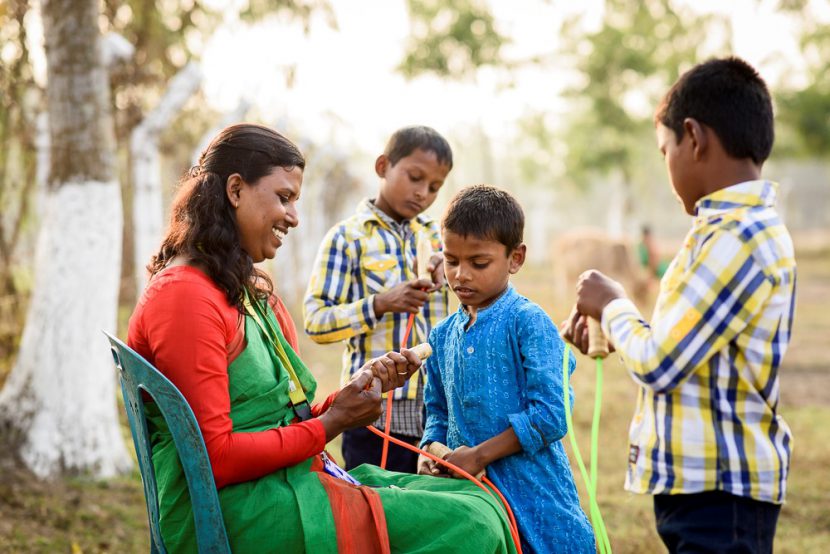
[346, 88]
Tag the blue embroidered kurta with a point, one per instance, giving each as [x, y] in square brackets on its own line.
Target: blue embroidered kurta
[506, 370]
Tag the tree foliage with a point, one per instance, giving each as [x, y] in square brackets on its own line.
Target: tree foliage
[450, 39]
[805, 111]
[167, 34]
[625, 66]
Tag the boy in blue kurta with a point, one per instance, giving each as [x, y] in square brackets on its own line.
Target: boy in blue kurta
[494, 383]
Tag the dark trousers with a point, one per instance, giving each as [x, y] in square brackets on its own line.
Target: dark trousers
[361, 446]
[715, 521]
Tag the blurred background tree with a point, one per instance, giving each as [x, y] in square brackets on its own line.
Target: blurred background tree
[58, 406]
[804, 107]
[20, 103]
[450, 39]
[625, 66]
[166, 36]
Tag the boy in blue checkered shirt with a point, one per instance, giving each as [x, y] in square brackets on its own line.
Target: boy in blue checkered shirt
[364, 284]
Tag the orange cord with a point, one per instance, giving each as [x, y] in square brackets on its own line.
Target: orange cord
[387, 424]
[513, 524]
[514, 530]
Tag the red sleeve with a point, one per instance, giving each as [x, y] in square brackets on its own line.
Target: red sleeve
[321, 407]
[184, 330]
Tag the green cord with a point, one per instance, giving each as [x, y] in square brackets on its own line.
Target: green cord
[603, 543]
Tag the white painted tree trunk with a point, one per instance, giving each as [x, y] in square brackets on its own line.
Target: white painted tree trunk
[61, 392]
[148, 210]
[58, 407]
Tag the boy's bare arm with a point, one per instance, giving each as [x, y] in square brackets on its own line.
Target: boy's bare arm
[475, 459]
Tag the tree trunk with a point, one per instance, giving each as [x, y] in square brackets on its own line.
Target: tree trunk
[58, 406]
[148, 212]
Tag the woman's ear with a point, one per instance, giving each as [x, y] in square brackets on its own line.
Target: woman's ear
[233, 189]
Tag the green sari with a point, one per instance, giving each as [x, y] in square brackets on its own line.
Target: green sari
[300, 508]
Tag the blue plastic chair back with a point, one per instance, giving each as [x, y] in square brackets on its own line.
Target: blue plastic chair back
[136, 375]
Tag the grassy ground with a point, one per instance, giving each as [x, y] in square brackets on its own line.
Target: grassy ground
[80, 515]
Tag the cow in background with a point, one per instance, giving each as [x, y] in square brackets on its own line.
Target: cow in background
[589, 248]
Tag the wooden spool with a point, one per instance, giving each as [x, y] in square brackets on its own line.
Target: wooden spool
[597, 343]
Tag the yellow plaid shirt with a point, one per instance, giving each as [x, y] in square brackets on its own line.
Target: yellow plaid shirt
[707, 413]
[360, 257]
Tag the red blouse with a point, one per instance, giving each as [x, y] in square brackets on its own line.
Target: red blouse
[184, 326]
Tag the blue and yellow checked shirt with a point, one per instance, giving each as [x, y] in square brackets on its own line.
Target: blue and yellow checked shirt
[707, 414]
[360, 257]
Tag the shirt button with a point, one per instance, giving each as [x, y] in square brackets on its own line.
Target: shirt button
[470, 350]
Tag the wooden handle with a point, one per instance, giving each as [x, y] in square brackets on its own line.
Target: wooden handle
[597, 343]
[441, 450]
[423, 350]
[438, 450]
[423, 252]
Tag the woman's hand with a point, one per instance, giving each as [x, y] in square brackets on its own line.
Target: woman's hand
[356, 405]
[393, 369]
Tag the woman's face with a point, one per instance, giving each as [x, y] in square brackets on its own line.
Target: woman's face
[266, 210]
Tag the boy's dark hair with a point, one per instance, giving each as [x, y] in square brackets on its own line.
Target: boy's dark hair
[408, 139]
[728, 96]
[486, 212]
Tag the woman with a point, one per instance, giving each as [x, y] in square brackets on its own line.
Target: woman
[210, 322]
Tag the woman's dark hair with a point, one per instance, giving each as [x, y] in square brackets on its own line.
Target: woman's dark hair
[728, 96]
[405, 141]
[202, 221]
[488, 213]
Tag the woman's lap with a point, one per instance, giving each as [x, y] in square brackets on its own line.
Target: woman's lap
[431, 514]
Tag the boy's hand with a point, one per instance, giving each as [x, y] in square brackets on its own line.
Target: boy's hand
[393, 369]
[467, 459]
[594, 291]
[426, 466]
[403, 297]
[436, 269]
[575, 331]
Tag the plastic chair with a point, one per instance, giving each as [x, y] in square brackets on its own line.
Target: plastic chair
[136, 375]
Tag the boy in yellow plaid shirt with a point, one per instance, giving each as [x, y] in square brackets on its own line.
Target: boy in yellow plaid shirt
[364, 286]
[707, 439]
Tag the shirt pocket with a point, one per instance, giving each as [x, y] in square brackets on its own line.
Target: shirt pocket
[380, 272]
